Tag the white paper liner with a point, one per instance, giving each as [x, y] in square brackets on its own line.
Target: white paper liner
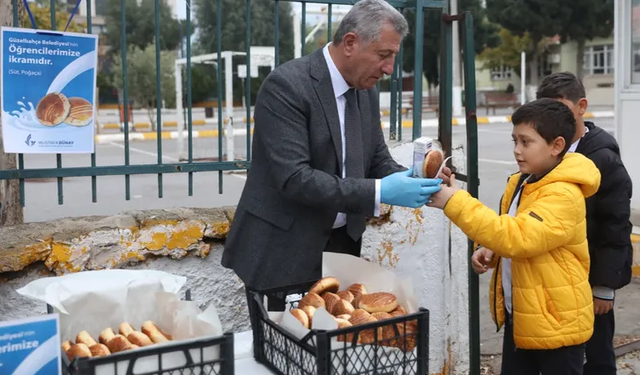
[94, 300]
[349, 270]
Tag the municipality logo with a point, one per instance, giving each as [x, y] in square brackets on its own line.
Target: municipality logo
[29, 142]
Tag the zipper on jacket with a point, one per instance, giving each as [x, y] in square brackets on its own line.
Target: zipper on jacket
[495, 294]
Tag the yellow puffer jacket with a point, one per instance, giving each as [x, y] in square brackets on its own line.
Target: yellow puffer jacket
[547, 244]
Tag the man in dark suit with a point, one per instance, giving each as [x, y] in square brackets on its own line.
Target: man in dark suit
[320, 162]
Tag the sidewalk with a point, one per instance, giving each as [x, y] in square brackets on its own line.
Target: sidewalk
[627, 329]
[430, 122]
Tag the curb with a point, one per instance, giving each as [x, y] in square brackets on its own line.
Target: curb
[426, 123]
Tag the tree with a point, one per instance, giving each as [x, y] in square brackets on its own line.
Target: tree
[507, 52]
[485, 35]
[12, 211]
[140, 25]
[234, 32]
[141, 77]
[42, 15]
[538, 18]
[589, 19]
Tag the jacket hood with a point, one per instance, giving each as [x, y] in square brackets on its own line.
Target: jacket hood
[577, 169]
[597, 139]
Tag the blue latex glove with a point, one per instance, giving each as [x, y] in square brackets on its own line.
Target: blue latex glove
[401, 189]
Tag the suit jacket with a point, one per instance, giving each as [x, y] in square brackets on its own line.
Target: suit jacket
[293, 190]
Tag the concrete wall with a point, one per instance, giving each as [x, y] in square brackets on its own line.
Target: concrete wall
[415, 243]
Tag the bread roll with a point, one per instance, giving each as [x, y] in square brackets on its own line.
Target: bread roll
[408, 335]
[343, 307]
[80, 112]
[78, 351]
[326, 284]
[378, 302]
[139, 338]
[106, 335]
[85, 338]
[302, 317]
[311, 299]
[118, 344]
[399, 311]
[432, 163]
[125, 329]
[330, 301]
[344, 316]
[310, 311]
[53, 109]
[388, 337]
[346, 295]
[66, 346]
[150, 329]
[357, 290]
[99, 350]
[367, 336]
[342, 323]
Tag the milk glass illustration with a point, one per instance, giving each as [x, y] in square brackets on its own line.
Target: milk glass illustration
[48, 91]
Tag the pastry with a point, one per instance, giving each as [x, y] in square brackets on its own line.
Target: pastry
[346, 295]
[357, 290]
[52, 109]
[99, 350]
[106, 335]
[367, 336]
[342, 323]
[344, 316]
[125, 329]
[119, 343]
[311, 299]
[330, 301]
[399, 311]
[388, 334]
[301, 316]
[343, 307]
[80, 112]
[150, 329]
[432, 163]
[378, 302]
[326, 284]
[310, 311]
[139, 338]
[85, 338]
[66, 346]
[78, 351]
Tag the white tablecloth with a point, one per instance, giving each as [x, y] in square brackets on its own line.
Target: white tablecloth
[245, 363]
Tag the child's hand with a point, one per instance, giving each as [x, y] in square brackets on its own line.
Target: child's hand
[481, 259]
[440, 199]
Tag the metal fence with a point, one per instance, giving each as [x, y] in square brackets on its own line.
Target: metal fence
[191, 166]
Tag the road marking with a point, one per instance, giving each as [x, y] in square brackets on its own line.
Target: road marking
[493, 161]
[144, 152]
[155, 156]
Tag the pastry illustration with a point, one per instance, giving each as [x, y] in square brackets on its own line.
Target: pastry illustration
[81, 112]
[53, 109]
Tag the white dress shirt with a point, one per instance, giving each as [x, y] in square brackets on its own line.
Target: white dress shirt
[340, 87]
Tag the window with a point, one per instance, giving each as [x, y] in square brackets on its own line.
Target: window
[101, 7]
[635, 42]
[501, 73]
[598, 60]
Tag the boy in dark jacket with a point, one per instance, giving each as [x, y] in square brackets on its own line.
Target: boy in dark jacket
[608, 225]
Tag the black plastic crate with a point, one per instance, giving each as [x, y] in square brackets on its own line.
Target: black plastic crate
[201, 356]
[388, 348]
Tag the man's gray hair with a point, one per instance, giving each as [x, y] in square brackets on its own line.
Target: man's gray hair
[366, 19]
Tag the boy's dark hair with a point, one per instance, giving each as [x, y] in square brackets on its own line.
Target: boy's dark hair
[562, 85]
[550, 118]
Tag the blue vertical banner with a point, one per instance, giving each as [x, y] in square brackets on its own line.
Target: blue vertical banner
[48, 91]
[31, 346]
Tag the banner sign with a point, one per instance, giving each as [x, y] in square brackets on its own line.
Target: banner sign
[48, 91]
[31, 346]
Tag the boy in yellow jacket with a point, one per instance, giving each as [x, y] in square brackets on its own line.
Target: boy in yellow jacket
[540, 289]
